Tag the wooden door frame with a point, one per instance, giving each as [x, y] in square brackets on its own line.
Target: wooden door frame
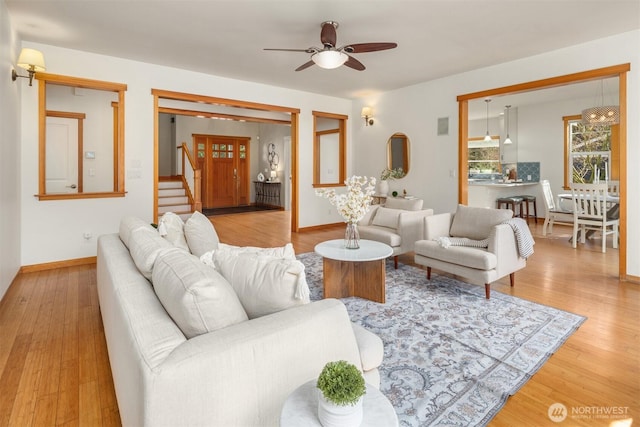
[181, 96]
[619, 71]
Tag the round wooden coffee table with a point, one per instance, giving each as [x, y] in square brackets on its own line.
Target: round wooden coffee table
[354, 272]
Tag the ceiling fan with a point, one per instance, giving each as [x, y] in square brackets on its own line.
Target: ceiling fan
[331, 57]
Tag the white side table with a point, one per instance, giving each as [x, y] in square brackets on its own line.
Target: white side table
[301, 408]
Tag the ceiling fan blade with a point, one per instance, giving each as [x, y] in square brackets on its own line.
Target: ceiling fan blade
[369, 47]
[354, 63]
[305, 66]
[328, 34]
[294, 50]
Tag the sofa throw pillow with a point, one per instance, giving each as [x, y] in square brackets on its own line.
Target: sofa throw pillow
[128, 225]
[171, 227]
[285, 252]
[404, 204]
[198, 298]
[264, 284]
[144, 246]
[386, 217]
[200, 234]
[368, 217]
[476, 223]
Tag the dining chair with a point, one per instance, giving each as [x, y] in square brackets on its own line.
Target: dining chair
[590, 213]
[554, 212]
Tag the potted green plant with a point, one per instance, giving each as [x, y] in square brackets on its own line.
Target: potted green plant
[341, 387]
[387, 175]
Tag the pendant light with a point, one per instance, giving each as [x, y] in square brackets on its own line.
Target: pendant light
[487, 137]
[507, 140]
[602, 115]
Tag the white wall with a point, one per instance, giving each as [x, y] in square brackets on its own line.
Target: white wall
[414, 111]
[9, 153]
[53, 230]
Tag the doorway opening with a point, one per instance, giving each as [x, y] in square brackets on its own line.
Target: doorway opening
[619, 71]
[265, 129]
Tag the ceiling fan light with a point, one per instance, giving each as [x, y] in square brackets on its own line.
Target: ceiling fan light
[329, 59]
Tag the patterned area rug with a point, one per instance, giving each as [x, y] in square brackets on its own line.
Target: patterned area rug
[451, 357]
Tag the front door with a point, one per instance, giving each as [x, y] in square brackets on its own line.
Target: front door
[224, 161]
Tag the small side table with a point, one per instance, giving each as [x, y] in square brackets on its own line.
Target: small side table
[301, 408]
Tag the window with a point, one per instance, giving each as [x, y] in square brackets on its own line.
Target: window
[81, 138]
[588, 150]
[484, 156]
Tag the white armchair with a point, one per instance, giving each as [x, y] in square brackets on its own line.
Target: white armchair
[482, 249]
[399, 223]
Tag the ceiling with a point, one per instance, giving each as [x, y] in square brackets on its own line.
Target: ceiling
[436, 38]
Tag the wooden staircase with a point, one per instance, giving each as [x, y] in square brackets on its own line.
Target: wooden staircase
[172, 197]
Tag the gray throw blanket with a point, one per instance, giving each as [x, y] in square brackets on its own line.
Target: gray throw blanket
[524, 239]
[523, 236]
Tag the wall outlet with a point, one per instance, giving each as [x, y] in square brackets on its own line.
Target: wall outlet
[528, 177]
[87, 235]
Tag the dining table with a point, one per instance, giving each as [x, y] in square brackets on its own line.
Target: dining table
[613, 201]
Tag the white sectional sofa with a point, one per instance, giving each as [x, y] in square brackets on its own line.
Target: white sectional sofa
[237, 372]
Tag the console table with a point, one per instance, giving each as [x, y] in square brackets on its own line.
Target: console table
[267, 192]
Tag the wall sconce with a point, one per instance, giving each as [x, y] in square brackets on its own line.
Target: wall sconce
[366, 115]
[31, 60]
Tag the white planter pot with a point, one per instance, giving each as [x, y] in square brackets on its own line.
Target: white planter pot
[332, 415]
[383, 187]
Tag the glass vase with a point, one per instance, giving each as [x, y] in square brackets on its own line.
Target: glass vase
[351, 236]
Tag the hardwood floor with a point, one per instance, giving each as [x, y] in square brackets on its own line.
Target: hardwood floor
[54, 367]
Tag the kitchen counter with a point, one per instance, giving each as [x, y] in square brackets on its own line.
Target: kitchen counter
[483, 193]
[499, 184]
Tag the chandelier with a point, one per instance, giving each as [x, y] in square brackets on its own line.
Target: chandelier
[602, 115]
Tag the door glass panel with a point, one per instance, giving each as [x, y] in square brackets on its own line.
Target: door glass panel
[215, 154]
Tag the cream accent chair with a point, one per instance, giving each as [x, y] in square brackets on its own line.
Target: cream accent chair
[399, 223]
[480, 265]
[554, 212]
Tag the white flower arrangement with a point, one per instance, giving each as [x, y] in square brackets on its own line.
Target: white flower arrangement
[353, 205]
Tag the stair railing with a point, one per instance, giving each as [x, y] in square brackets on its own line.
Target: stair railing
[191, 178]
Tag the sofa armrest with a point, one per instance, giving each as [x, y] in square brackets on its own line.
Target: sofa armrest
[411, 227]
[242, 374]
[503, 243]
[437, 226]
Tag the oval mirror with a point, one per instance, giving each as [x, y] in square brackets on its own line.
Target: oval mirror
[398, 152]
